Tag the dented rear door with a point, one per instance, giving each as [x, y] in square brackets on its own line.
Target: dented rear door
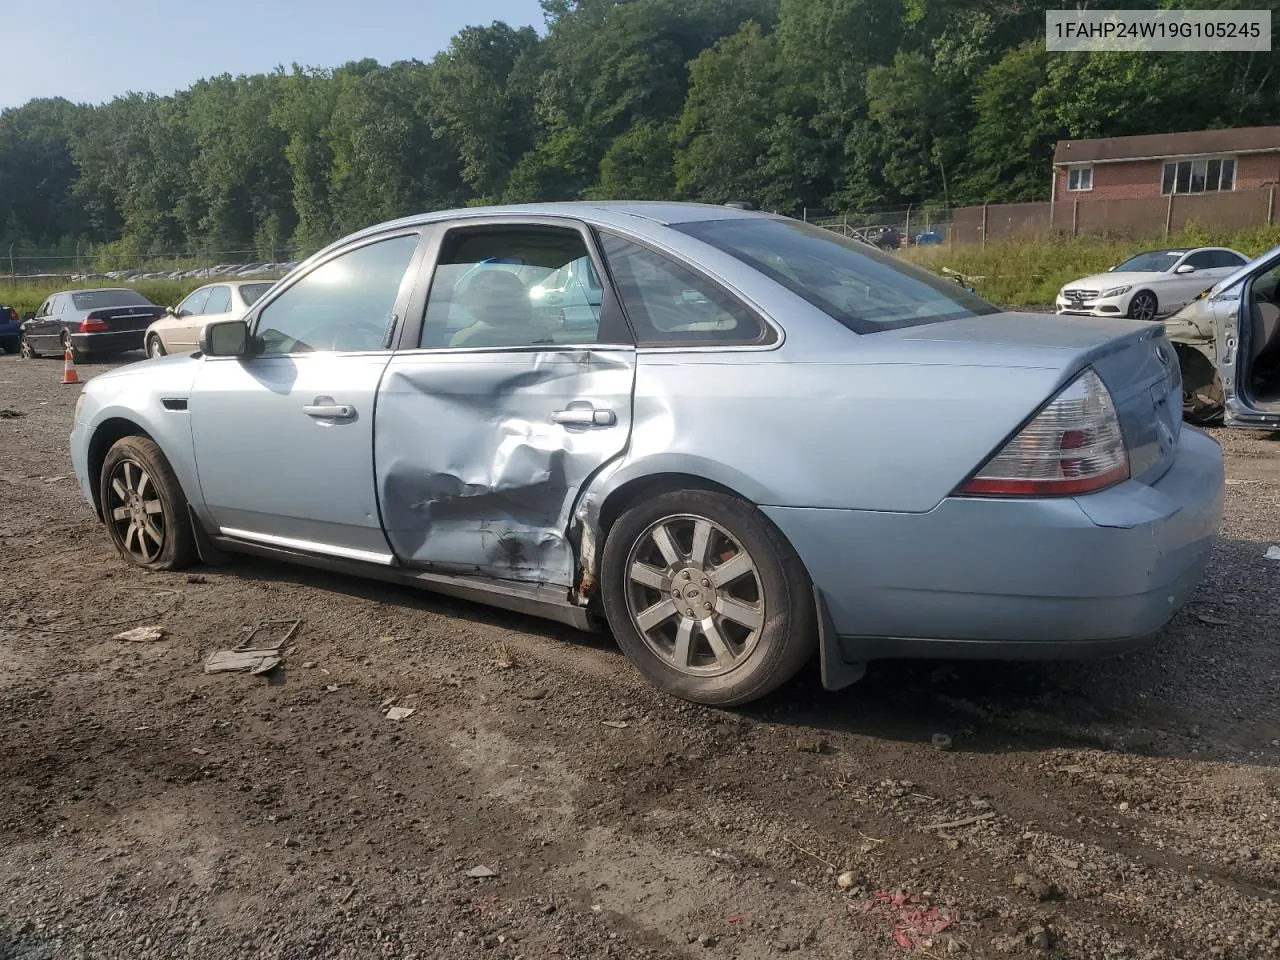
[496, 412]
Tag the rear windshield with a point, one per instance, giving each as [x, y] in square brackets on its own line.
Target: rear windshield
[252, 291]
[93, 299]
[864, 288]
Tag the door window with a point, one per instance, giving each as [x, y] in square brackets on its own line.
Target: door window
[219, 300]
[670, 305]
[1227, 260]
[1204, 260]
[346, 303]
[194, 304]
[515, 286]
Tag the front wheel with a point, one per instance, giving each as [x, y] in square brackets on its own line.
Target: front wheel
[25, 350]
[707, 598]
[144, 507]
[154, 347]
[1143, 306]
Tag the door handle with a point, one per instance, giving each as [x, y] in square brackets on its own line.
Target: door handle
[585, 417]
[330, 411]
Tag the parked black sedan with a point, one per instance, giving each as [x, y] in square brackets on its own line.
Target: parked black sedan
[8, 328]
[91, 322]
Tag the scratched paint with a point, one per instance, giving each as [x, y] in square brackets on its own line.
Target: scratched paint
[475, 476]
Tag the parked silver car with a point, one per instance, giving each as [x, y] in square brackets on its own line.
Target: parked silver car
[772, 439]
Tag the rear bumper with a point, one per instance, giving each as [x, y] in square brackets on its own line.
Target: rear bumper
[112, 341]
[1016, 579]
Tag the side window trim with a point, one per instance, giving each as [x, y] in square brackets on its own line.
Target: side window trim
[771, 336]
[415, 312]
[404, 298]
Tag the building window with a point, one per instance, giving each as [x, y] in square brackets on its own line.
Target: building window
[1080, 178]
[1201, 175]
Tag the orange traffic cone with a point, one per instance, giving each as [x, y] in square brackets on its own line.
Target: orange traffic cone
[69, 374]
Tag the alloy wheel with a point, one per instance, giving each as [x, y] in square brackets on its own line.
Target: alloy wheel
[24, 348]
[694, 595]
[135, 511]
[1143, 307]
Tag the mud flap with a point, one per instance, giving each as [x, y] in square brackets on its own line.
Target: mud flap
[211, 555]
[837, 673]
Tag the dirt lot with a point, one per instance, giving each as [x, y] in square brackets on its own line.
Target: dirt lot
[1124, 808]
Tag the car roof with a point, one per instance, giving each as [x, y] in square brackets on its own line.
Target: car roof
[95, 290]
[611, 212]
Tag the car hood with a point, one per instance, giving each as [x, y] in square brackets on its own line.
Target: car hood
[1105, 281]
[175, 372]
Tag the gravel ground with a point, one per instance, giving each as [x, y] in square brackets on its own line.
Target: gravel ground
[1109, 809]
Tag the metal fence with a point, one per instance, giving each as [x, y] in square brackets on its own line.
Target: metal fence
[24, 266]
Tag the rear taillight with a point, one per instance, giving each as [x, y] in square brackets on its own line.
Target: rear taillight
[1074, 445]
[93, 326]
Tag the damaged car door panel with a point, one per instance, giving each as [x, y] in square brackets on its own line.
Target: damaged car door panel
[735, 439]
[1228, 345]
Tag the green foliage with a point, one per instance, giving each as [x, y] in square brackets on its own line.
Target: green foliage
[786, 104]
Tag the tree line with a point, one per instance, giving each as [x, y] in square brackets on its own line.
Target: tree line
[785, 104]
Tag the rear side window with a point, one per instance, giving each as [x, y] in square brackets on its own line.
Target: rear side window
[93, 299]
[863, 288]
[670, 305]
[219, 300]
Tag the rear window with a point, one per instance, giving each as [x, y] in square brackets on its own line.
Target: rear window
[863, 288]
[252, 291]
[93, 299]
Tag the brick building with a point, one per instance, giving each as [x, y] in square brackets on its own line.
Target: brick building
[1200, 162]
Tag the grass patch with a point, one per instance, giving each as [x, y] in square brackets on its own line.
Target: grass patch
[1029, 273]
[26, 297]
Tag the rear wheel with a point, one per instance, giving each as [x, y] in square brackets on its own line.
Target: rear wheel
[154, 347]
[707, 598]
[1143, 306]
[144, 507]
[77, 355]
[25, 350]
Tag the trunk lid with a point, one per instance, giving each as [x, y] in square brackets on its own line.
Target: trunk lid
[120, 319]
[1135, 360]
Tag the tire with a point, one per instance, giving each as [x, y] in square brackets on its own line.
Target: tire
[25, 350]
[129, 460]
[77, 355]
[154, 347]
[770, 590]
[1143, 306]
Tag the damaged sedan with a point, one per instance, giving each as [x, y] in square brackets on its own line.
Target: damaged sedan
[732, 438]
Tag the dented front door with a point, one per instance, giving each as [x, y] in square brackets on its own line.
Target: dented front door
[486, 433]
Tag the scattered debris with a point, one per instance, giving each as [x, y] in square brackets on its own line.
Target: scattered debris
[616, 724]
[141, 635]
[735, 918]
[810, 853]
[707, 940]
[199, 750]
[504, 658]
[911, 920]
[846, 880]
[196, 578]
[8, 413]
[1273, 552]
[330, 688]
[257, 660]
[952, 824]
[1033, 885]
[61, 476]
[1212, 620]
[941, 741]
[309, 665]
[481, 872]
[400, 713]
[812, 745]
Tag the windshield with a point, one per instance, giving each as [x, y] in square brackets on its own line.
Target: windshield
[252, 291]
[1153, 261]
[864, 288]
[93, 299]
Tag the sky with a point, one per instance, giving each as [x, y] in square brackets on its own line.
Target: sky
[93, 50]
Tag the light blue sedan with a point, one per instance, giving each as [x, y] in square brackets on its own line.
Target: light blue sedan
[769, 441]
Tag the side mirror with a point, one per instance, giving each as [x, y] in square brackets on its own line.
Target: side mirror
[171, 311]
[226, 338]
[1185, 268]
